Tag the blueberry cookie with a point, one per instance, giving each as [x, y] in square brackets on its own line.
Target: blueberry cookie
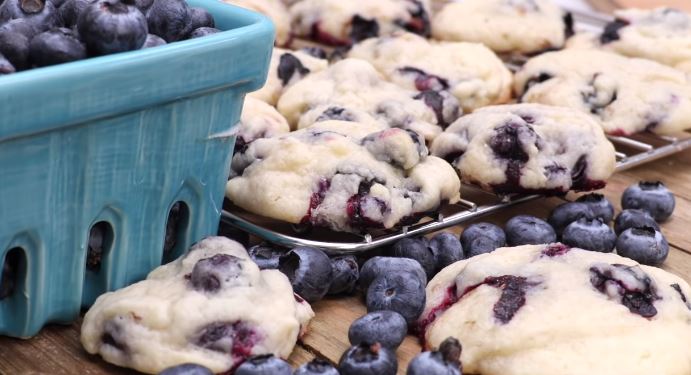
[469, 71]
[276, 10]
[521, 26]
[344, 22]
[342, 175]
[213, 307]
[551, 309]
[354, 85]
[661, 34]
[627, 95]
[258, 120]
[285, 68]
[528, 148]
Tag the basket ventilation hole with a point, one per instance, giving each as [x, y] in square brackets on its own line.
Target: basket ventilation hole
[178, 218]
[100, 241]
[10, 272]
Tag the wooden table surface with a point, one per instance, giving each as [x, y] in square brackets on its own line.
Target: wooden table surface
[57, 350]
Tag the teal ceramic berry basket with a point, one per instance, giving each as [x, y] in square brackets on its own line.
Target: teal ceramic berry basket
[115, 142]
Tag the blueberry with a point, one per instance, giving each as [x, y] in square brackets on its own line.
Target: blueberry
[362, 28]
[611, 31]
[187, 369]
[14, 46]
[368, 359]
[590, 234]
[199, 17]
[316, 367]
[56, 46]
[21, 26]
[401, 292]
[388, 328]
[265, 364]
[567, 213]
[57, 3]
[5, 66]
[528, 230]
[288, 67]
[344, 274]
[71, 10]
[602, 208]
[446, 248]
[238, 338]
[40, 14]
[653, 197]
[265, 256]
[415, 248]
[97, 238]
[169, 19]
[309, 271]
[645, 245]
[634, 218]
[153, 41]
[317, 52]
[377, 266]
[203, 31]
[482, 238]
[217, 272]
[112, 26]
[445, 361]
[143, 5]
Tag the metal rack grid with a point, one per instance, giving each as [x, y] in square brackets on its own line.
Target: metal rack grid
[631, 152]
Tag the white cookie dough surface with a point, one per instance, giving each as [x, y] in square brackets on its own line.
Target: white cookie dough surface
[213, 307]
[285, 68]
[627, 95]
[469, 71]
[258, 120]
[345, 176]
[528, 148]
[548, 309]
[344, 22]
[276, 10]
[521, 26]
[661, 34]
[354, 84]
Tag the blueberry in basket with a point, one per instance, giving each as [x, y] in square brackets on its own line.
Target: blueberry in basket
[38, 33]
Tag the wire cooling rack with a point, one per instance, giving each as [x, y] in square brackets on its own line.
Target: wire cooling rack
[631, 152]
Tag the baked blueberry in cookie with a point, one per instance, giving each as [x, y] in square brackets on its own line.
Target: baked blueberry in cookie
[341, 175]
[469, 71]
[528, 148]
[285, 68]
[344, 22]
[506, 26]
[353, 90]
[580, 304]
[625, 95]
[212, 307]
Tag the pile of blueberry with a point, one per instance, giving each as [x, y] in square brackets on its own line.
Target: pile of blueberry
[585, 224]
[36, 33]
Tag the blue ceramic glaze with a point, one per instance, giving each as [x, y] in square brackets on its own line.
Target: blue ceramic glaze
[119, 139]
